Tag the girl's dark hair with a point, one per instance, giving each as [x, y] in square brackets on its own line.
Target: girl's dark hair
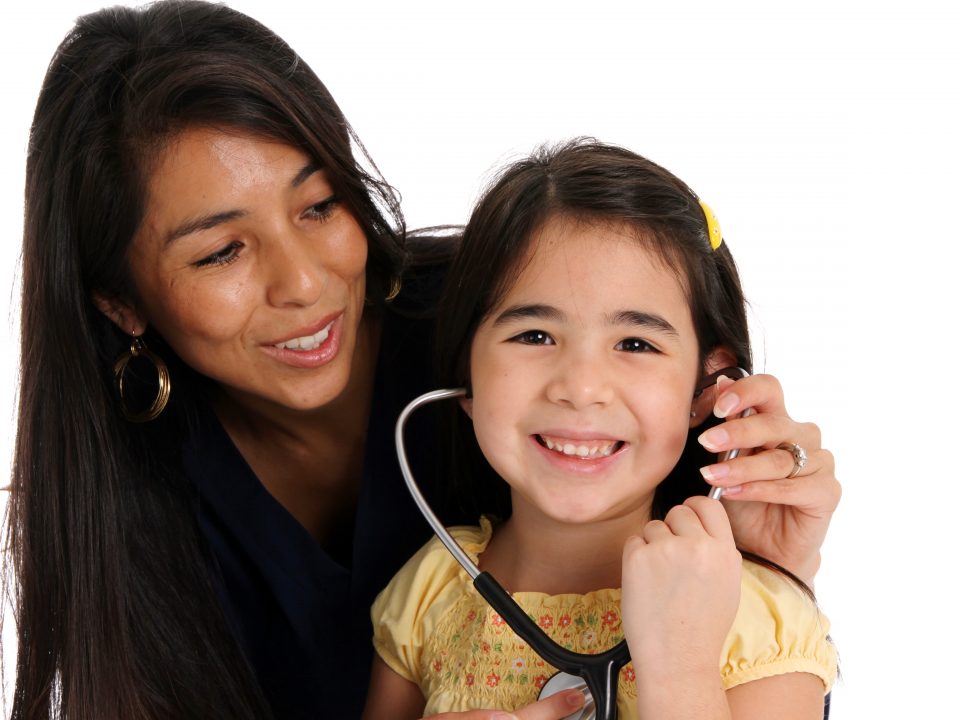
[116, 614]
[587, 181]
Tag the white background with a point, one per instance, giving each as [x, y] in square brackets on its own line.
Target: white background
[824, 135]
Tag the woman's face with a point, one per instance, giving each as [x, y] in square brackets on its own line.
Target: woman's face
[250, 268]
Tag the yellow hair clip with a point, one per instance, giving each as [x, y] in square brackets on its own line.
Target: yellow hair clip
[713, 226]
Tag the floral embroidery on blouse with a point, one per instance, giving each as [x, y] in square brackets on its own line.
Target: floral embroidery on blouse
[473, 647]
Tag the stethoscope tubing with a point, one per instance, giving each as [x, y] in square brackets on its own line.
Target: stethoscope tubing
[599, 671]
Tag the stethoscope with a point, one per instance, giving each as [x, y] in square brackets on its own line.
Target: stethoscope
[596, 676]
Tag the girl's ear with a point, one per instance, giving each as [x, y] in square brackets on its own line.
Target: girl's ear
[121, 312]
[467, 404]
[702, 405]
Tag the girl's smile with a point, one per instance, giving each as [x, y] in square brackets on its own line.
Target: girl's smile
[583, 375]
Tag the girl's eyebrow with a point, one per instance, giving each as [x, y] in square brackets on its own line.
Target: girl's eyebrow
[529, 312]
[645, 320]
[633, 318]
[206, 222]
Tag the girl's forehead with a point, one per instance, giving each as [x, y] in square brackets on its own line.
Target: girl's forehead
[570, 246]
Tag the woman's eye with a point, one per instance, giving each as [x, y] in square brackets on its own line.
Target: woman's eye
[533, 337]
[634, 345]
[223, 256]
[323, 209]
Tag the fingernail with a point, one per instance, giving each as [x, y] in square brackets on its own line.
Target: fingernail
[574, 699]
[712, 473]
[726, 405]
[723, 382]
[732, 490]
[714, 439]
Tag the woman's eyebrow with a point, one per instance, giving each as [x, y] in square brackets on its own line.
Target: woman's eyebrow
[306, 171]
[635, 318]
[528, 312]
[206, 222]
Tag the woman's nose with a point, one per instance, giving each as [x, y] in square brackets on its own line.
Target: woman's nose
[294, 272]
[580, 379]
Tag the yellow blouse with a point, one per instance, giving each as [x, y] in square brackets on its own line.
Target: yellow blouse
[434, 629]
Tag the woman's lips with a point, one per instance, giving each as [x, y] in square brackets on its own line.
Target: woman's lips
[310, 347]
[306, 342]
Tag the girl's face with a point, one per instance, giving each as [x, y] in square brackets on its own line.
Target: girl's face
[583, 376]
[250, 268]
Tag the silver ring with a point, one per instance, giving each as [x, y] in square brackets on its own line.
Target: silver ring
[799, 457]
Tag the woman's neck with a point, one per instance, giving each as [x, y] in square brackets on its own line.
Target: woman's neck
[533, 552]
[311, 462]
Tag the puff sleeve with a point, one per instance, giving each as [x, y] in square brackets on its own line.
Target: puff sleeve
[778, 629]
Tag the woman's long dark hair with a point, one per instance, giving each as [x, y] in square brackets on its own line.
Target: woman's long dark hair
[585, 180]
[116, 614]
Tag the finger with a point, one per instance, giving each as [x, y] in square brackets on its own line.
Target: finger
[761, 392]
[760, 431]
[633, 544]
[711, 516]
[656, 530]
[683, 521]
[773, 464]
[817, 495]
[554, 707]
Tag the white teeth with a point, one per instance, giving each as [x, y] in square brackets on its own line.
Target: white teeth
[307, 342]
[580, 450]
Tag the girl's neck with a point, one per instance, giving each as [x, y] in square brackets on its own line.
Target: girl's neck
[533, 552]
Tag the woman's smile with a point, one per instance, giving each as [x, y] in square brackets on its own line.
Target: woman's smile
[308, 349]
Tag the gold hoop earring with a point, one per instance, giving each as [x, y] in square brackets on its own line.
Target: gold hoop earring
[139, 349]
[395, 285]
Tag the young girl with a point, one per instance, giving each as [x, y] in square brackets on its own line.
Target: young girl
[591, 297]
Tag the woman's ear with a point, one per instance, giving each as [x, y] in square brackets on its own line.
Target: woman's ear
[702, 406]
[121, 312]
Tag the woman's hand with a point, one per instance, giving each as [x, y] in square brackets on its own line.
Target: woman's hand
[681, 590]
[783, 519]
[554, 707]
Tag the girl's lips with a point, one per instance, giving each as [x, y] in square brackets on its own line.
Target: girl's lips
[323, 344]
[600, 454]
[579, 447]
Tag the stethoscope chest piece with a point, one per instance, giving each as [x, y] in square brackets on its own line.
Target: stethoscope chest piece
[565, 681]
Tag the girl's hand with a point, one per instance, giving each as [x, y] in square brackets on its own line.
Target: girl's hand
[554, 707]
[681, 591]
[784, 520]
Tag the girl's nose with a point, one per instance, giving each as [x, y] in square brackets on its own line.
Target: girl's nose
[295, 275]
[580, 380]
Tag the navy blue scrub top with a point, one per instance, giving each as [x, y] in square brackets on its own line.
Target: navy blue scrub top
[302, 618]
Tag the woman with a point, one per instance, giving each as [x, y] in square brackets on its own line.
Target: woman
[194, 208]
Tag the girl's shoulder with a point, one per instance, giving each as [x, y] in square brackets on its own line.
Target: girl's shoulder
[778, 628]
[433, 572]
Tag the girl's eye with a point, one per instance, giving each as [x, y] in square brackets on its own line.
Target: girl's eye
[634, 345]
[533, 337]
[223, 256]
[323, 209]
